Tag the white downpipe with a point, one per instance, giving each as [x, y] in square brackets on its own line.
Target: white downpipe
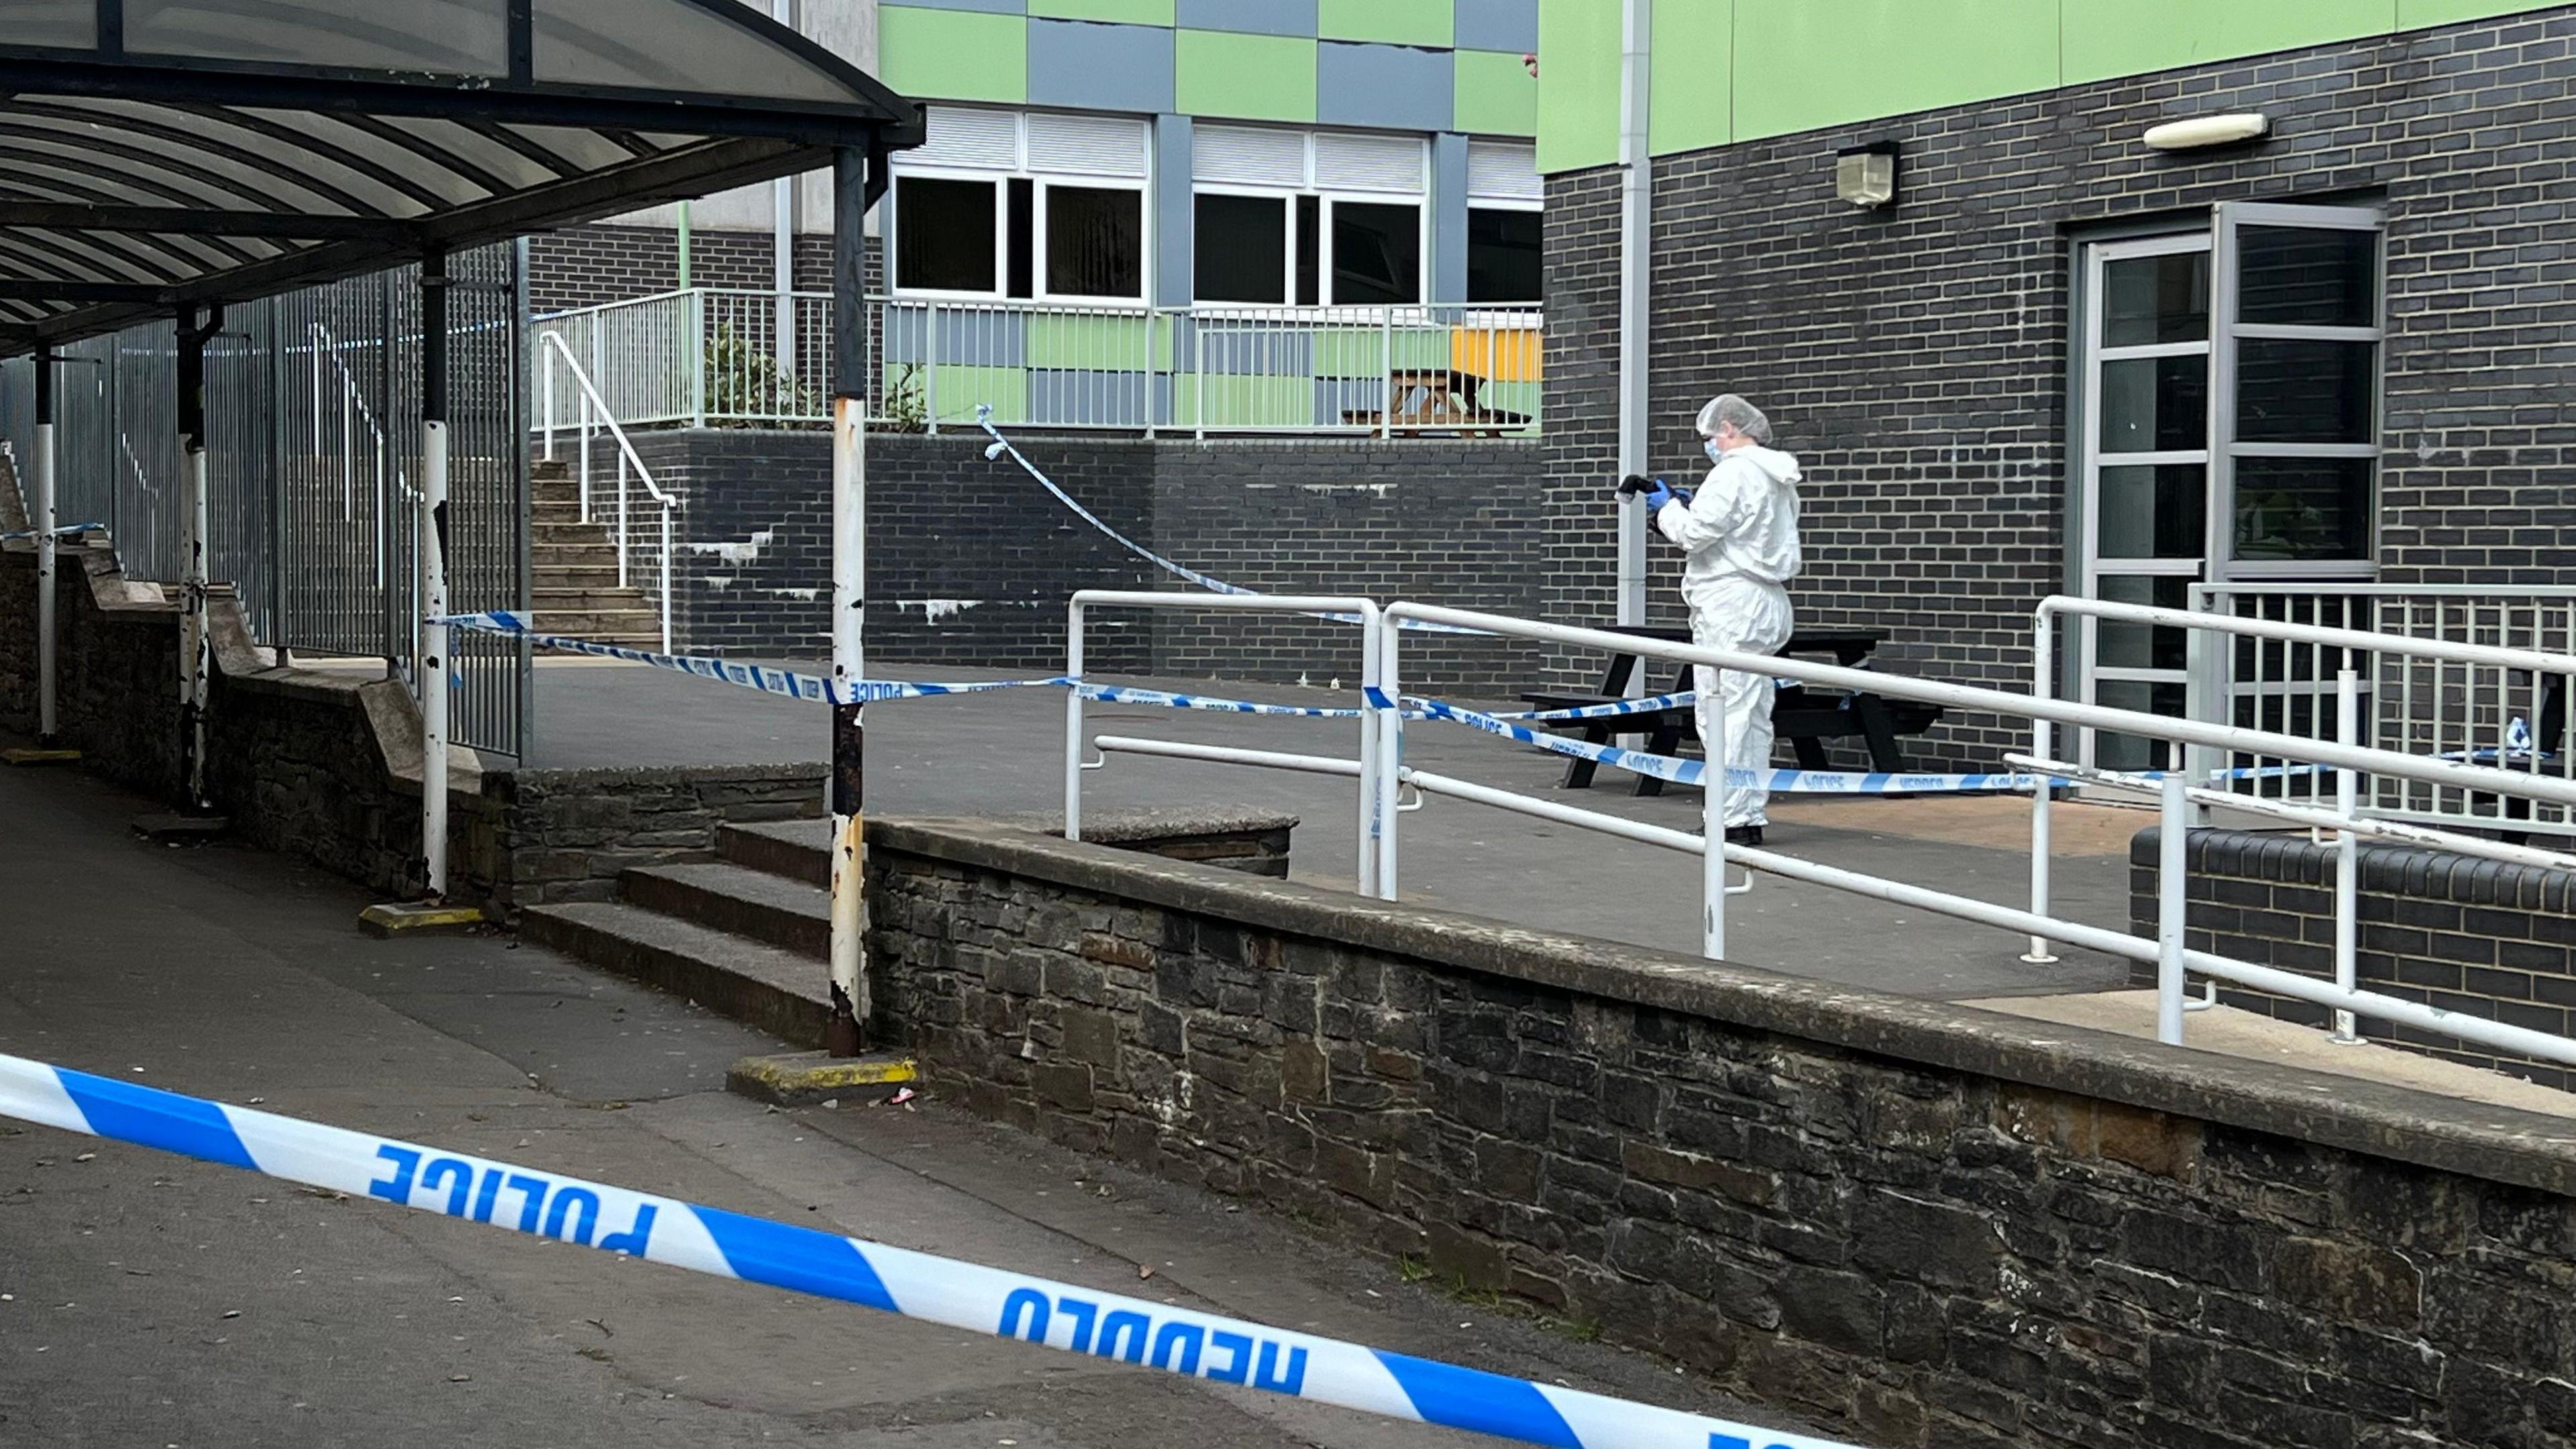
[1073, 720]
[2171, 903]
[2348, 856]
[48, 724]
[431, 665]
[1636, 280]
[2043, 685]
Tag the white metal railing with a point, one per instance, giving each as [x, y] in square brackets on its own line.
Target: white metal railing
[596, 415]
[1383, 773]
[715, 356]
[1363, 612]
[2421, 698]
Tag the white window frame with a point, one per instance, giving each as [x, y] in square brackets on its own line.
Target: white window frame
[1039, 224]
[1001, 236]
[1000, 178]
[1324, 242]
[1288, 236]
[1328, 197]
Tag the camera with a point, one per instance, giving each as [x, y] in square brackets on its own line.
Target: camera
[1634, 484]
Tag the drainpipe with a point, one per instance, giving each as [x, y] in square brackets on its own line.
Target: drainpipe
[782, 258]
[1636, 237]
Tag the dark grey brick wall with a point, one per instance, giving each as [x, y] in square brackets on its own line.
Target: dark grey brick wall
[2480, 937]
[1916, 358]
[1901, 1221]
[971, 563]
[583, 266]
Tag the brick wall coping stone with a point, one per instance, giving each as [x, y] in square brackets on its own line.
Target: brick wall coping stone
[1122, 826]
[2412, 870]
[2496, 1143]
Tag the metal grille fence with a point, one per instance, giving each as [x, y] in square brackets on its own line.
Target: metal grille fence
[313, 438]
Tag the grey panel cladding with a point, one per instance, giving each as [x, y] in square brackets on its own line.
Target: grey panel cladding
[1400, 87]
[1498, 25]
[1916, 359]
[1253, 17]
[971, 563]
[1087, 64]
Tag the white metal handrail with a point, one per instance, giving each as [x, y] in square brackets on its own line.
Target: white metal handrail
[593, 405]
[2169, 951]
[1363, 612]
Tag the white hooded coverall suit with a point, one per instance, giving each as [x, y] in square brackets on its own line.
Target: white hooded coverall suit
[1741, 533]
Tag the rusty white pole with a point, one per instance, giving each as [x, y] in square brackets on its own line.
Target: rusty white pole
[429, 558]
[48, 721]
[845, 1031]
[196, 640]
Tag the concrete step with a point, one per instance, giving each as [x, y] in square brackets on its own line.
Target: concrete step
[640, 629]
[565, 553]
[779, 992]
[588, 600]
[550, 470]
[799, 850]
[788, 914]
[544, 575]
[542, 531]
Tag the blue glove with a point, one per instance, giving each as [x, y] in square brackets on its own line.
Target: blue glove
[1658, 496]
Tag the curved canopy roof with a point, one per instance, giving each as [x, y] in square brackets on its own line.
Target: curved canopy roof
[155, 153]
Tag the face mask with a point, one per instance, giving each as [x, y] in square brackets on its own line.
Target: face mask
[1716, 454]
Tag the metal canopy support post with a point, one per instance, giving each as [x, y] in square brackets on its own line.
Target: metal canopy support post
[843, 1033]
[429, 558]
[1636, 272]
[196, 640]
[48, 723]
[782, 258]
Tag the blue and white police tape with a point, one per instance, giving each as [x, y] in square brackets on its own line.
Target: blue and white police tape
[1127, 694]
[787, 682]
[65, 531]
[1002, 448]
[1693, 772]
[961, 1295]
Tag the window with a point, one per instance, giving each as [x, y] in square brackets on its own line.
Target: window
[1241, 247]
[1037, 207]
[1309, 219]
[1377, 253]
[944, 232]
[2229, 430]
[1503, 255]
[1095, 242]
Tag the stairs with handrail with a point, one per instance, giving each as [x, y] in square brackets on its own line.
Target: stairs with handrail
[572, 568]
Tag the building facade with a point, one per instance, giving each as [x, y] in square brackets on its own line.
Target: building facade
[2330, 359]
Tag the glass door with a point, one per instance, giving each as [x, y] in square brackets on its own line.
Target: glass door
[2144, 445]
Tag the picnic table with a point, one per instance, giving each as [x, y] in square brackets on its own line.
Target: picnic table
[1439, 397]
[1805, 717]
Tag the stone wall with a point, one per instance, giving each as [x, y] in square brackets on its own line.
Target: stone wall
[324, 765]
[2480, 937]
[971, 563]
[1908, 1222]
[1916, 356]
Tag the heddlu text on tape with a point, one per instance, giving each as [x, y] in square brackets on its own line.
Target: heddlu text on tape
[959, 1294]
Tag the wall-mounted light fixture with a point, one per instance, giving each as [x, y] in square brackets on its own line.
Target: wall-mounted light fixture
[1865, 176]
[2202, 131]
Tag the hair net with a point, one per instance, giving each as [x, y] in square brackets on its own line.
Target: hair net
[1735, 412]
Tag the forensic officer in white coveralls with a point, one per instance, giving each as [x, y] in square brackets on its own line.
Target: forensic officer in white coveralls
[1741, 532]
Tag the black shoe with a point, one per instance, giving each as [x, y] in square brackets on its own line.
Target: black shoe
[1744, 835]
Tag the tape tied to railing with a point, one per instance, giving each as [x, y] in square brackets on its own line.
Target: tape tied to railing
[789, 683]
[950, 1291]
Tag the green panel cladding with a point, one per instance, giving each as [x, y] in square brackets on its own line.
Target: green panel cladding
[1734, 70]
[1122, 12]
[2108, 38]
[1244, 77]
[954, 55]
[1805, 64]
[1690, 96]
[1578, 89]
[1495, 94]
[1395, 22]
